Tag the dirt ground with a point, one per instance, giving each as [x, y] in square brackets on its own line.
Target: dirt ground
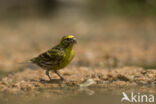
[98, 63]
[125, 77]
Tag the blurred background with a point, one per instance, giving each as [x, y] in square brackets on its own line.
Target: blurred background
[110, 33]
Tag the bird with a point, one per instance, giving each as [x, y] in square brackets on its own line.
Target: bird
[57, 57]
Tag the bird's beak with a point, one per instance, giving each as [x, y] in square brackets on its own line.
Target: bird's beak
[74, 40]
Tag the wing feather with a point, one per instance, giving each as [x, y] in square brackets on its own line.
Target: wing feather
[50, 58]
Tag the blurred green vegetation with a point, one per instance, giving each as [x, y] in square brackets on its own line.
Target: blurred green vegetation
[123, 7]
[95, 8]
[28, 8]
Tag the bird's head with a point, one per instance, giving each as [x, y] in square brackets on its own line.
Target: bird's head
[68, 41]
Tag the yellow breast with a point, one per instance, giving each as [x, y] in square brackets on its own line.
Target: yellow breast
[68, 56]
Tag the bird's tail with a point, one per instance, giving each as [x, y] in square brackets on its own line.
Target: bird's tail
[26, 62]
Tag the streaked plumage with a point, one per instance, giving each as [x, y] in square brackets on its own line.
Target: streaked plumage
[57, 57]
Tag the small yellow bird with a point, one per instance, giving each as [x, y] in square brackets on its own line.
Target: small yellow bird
[57, 57]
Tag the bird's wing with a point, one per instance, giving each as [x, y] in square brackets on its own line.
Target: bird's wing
[49, 58]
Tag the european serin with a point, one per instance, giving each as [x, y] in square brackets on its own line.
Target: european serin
[57, 57]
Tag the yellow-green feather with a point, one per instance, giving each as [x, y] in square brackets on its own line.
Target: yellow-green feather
[69, 54]
[56, 58]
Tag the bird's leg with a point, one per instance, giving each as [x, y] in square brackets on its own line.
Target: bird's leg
[59, 75]
[47, 73]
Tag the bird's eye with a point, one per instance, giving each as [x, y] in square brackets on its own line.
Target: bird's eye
[68, 39]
